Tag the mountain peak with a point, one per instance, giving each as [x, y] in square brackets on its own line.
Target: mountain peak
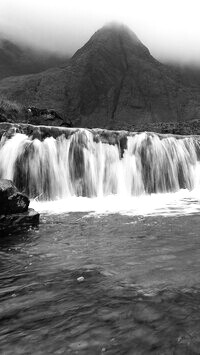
[115, 29]
[111, 82]
[115, 37]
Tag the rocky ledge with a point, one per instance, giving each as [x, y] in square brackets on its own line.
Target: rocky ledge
[8, 130]
[14, 209]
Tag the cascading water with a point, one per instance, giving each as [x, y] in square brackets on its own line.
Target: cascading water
[78, 166]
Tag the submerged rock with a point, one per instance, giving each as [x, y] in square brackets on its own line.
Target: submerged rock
[14, 206]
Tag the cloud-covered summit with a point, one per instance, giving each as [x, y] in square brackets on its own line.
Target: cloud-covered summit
[170, 29]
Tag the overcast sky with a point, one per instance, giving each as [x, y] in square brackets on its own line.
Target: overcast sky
[170, 29]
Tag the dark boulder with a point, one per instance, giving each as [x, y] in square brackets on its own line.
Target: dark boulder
[8, 221]
[14, 207]
[18, 202]
[44, 116]
[12, 201]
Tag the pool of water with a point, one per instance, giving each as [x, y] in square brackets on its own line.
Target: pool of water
[90, 283]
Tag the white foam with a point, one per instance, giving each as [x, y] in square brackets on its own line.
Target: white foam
[79, 166]
[63, 169]
[182, 202]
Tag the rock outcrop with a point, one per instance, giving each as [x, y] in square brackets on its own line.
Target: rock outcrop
[48, 117]
[112, 82]
[14, 207]
[14, 112]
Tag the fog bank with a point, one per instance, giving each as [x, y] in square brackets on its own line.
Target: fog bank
[170, 29]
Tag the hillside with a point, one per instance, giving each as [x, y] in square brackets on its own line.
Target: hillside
[111, 82]
[19, 60]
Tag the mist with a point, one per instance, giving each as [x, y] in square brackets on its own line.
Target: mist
[170, 29]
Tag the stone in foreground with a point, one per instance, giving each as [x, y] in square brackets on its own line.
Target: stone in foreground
[30, 217]
[14, 207]
[11, 200]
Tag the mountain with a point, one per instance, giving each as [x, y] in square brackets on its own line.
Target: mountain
[111, 82]
[188, 74]
[19, 60]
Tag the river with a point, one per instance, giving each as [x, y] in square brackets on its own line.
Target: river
[98, 282]
[113, 267]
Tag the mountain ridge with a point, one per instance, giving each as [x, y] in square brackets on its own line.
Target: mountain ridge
[111, 82]
[18, 60]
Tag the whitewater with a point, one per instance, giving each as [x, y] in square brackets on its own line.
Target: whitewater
[113, 266]
[152, 175]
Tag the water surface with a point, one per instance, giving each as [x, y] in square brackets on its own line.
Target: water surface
[95, 283]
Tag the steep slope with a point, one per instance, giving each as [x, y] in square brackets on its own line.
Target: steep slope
[18, 60]
[188, 74]
[112, 82]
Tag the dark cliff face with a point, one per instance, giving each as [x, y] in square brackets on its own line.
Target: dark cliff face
[113, 82]
[19, 60]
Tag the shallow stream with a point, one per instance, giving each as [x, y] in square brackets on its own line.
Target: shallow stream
[102, 283]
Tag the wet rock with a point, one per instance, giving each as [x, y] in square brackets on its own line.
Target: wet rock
[30, 217]
[7, 188]
[123, 144]
[12, 201]
[18, 202]
[80, 279]
[14, 207]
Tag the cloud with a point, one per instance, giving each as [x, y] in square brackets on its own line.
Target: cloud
[170, 29]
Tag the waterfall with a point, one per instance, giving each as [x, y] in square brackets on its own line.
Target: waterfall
[82, 166]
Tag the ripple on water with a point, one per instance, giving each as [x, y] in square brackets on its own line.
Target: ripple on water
[139, 289]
